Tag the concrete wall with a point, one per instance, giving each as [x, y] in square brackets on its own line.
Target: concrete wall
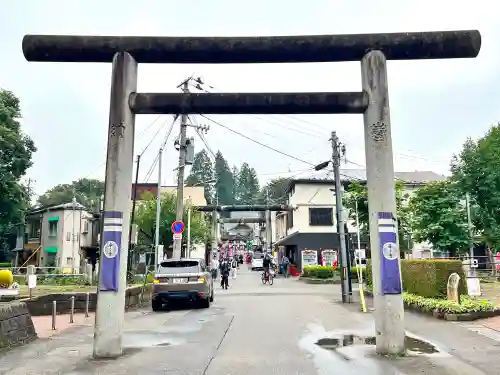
[42, 305]
[16, 326]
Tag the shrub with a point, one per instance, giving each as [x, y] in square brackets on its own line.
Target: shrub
[425, 277]
[61, 280]
[367, 277]
[20, 279]
[354, 273]
[467, 304]
[5, 265]
[429, 277]
[319, 272]
[150, 277]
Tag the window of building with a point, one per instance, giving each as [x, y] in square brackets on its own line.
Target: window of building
[52, 228]
[85, 226]
[321, 216]
[34, 229]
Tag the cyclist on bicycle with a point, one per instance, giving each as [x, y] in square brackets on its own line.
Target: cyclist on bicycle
[266, 263]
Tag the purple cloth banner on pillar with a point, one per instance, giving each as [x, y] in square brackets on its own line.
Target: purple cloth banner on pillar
[110, 254]
[389, 254]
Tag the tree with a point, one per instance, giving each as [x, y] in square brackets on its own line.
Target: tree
[86, 191]
[202, 173]
[439, 217]
[476, 170]
[236, 188]
[16, 150]
[224, 181]
[146, 221]
[357, 193]
[275, 190]
[247, 185]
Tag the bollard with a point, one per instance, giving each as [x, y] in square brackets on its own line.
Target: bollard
[87, 302]
[72, 310]
[54, 313]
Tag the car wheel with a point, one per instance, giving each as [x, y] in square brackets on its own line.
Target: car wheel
[156, 306]
[205, 303]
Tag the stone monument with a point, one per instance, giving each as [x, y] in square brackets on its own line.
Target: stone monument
[452, 287]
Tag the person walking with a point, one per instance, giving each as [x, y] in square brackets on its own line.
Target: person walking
[234, 266]
[224, 273]
[214, 267]
[286, 263]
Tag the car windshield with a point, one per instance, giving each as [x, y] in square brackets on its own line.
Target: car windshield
[179, 266]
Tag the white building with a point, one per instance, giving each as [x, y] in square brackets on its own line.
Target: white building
[56, 236]
[313, 224]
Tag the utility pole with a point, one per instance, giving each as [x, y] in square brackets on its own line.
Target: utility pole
[188, 249]
[158, 209]
[269, 233]
[73, 236]
[472, 269]
[177, 251]
[337, 150]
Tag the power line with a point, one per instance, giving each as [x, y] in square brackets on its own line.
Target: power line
[202, 137]
[155, 161]
[154, 137]
[287, 126]
[255, 141]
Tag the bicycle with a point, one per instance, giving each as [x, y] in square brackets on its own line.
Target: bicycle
[267, 277]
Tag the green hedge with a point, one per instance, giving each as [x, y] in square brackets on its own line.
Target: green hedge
[5, 265]
[467, 304]
[426, 277]
[319, 272]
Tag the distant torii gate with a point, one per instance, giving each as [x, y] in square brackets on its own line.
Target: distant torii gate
[242, 208]
[373, 102]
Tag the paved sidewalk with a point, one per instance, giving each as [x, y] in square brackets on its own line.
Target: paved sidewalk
[43, 324]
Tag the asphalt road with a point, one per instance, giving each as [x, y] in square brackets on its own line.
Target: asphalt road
[250, 329]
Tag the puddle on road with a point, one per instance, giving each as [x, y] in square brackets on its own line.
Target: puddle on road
[413, 345]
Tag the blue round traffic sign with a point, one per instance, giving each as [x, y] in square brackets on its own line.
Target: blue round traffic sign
[177, 227]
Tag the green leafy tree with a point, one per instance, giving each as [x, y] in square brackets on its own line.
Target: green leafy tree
[439, 217]
[247, 184]
[476, 170]
[86, 191]
[236, 187]
[224, 180]
[202, 174]
[16, 150]
[357, 194]
[146, 221]
[275, 190]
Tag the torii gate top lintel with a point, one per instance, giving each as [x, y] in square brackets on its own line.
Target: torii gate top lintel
[270, 49]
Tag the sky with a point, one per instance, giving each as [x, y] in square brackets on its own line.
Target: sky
[435, 105]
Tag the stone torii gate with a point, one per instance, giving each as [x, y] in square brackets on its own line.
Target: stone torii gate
[373, 50]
